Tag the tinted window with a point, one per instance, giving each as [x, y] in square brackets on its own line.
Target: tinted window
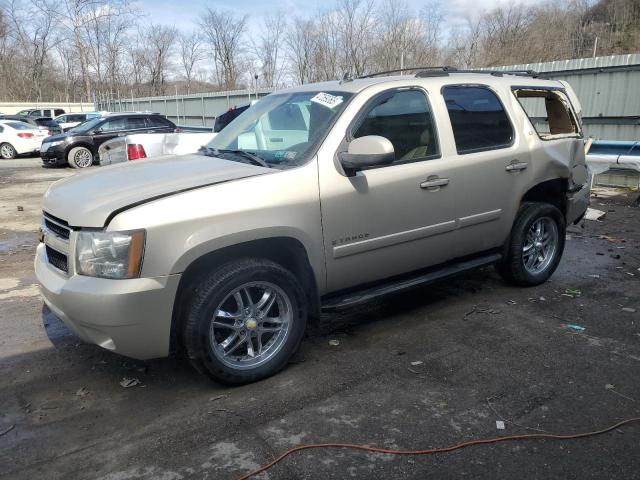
[159, 122]
[478, 119]
[287, 117]
[76, 118]
[135, 122]
[404, 118]
[58, 111]
[114, 124]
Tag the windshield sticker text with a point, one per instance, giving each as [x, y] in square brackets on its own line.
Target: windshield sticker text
[327, 100]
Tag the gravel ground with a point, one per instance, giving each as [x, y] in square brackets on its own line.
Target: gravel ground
[432, 367]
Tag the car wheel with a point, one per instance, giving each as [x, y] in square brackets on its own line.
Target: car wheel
[244, 321]
[80, 157]
[7, 151]
[535, 246]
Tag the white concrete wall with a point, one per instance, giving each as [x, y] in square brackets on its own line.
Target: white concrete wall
[10, 108]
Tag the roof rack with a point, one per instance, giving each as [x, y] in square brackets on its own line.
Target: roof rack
[442, 71]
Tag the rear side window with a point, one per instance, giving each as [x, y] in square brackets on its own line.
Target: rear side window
[478, 119]
[549, 111]
[135, 122]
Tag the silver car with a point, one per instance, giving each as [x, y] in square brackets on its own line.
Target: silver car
[318, 197]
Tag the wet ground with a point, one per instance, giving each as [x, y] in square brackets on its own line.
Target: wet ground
[433, 367]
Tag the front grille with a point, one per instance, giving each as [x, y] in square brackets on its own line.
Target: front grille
[57, 259]
[57, 228]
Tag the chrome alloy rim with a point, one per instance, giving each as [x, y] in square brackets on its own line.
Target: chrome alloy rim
[6, 151]
[82, 158]
[540, 245]
[250, 325]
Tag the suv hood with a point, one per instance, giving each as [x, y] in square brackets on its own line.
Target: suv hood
[88, 198]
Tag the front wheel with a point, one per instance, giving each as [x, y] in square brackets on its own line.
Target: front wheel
[80, 157]
[244, 321]
[535, 245]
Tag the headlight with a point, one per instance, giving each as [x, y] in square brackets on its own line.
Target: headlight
[54, 144]
[109, 254]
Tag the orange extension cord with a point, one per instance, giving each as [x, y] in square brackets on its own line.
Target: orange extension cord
[431, 451]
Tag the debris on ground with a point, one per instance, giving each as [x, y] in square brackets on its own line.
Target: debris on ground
[82, 392]
[334, 342]
[219, 397]
[500, 424]
[594, 214]
[129, 382]
[577, 328]
[628, 309]
[20, 208]
[416, 363]
[572, 292]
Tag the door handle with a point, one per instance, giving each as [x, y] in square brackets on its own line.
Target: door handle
[516, 166]
[434, 182]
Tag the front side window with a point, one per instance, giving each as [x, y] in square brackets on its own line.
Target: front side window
[281, 129]
[478, 119]
[404, 118]
[549, 111]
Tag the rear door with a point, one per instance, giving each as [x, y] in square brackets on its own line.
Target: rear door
[495, 163]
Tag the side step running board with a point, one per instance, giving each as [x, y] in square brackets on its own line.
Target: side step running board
[369, 293]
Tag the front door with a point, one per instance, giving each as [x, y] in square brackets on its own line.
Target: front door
[393, 219]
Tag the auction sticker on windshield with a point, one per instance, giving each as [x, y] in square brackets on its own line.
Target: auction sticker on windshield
[328, 100]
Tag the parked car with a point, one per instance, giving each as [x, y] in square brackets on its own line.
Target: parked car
[45, 124]
[18, 138]
[42, 112]
[319, 197]
[70, 120]
[151, 145]
[226, 118]
[78, 147]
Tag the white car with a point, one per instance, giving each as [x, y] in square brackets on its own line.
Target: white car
[17, 138]
[70, 120]
[151, 145]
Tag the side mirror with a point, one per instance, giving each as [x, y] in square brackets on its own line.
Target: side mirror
[368, 151]
[97, 131]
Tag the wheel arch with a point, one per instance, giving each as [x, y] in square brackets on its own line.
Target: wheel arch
[552, 191]
[286, 251]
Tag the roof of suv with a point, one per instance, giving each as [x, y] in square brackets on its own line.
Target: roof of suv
[475, 77]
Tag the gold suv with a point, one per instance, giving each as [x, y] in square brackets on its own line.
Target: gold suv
[317, 197]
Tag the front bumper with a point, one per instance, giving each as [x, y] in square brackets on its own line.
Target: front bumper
[54, 156]
[577, 204]
[129, 317]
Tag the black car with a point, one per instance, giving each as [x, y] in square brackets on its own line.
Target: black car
[44, 123]
[227, 117]
[78, 147]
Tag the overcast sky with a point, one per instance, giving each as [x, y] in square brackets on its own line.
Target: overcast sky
[184, 14]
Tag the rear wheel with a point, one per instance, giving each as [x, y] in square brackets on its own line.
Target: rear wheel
[7, 151]
[535, 246]
[80, 157]
[244, 321]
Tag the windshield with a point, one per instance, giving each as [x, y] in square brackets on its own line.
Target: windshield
[86, 126]
[282, 129]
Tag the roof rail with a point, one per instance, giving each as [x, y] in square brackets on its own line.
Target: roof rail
[446, 70]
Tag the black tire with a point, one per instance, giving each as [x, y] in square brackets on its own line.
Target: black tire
[80, 157]
[7, 151]
[512, 268]
[212, 290]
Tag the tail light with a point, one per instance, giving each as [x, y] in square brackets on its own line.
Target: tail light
[177, 130]
[136, 151]
[25, 135]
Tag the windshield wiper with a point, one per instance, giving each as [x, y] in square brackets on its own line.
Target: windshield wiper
[256, 160]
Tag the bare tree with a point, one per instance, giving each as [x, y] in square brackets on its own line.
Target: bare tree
[267, 49]
[159, 40]
[224, 32]
[191, 52]
[301, 46]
